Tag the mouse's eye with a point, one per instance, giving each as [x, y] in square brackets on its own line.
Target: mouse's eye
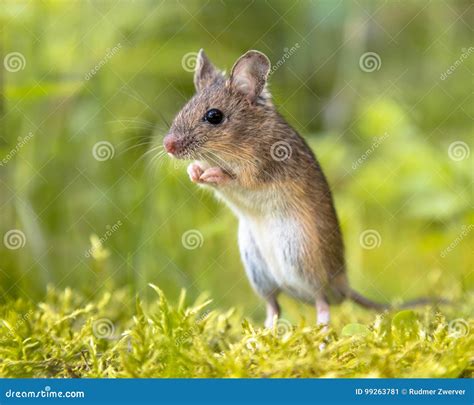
[213, 116]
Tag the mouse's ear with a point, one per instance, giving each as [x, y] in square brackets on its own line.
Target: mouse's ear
[249, 74]
[205, 71]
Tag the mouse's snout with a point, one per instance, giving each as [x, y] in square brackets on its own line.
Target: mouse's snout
[179, 146]
[171, 144]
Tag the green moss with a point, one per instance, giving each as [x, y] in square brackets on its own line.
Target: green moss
[68, 336]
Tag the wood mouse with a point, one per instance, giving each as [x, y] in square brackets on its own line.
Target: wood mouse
[289, 235]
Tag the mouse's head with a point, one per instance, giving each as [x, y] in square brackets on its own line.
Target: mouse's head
[220, 123]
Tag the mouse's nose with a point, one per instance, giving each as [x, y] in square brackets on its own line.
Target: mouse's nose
[170, 143]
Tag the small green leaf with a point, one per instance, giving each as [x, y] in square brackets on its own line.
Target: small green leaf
[355, 329]
[405, 325]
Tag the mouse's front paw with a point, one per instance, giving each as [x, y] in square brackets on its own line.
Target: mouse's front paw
[215, 176]
[195, 171]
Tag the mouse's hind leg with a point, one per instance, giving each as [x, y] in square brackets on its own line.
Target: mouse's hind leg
[273, 311]
[322, 314]
[322, 310]
[258, 273]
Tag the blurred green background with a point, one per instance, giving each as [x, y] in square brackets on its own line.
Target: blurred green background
[117, 72]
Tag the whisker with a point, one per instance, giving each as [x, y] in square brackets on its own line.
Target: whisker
[137, 99]
[163, 118]
[248, 160]
[132, 121]
[153, 150]
[156, 147]
[219, 159]
[232, 155]
[148, 142]
[153, 163]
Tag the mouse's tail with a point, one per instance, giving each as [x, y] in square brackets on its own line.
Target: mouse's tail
[365, 302]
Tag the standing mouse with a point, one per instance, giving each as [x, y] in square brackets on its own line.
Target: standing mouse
[289, 236]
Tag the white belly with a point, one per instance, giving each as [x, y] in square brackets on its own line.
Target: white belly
[280, 243]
